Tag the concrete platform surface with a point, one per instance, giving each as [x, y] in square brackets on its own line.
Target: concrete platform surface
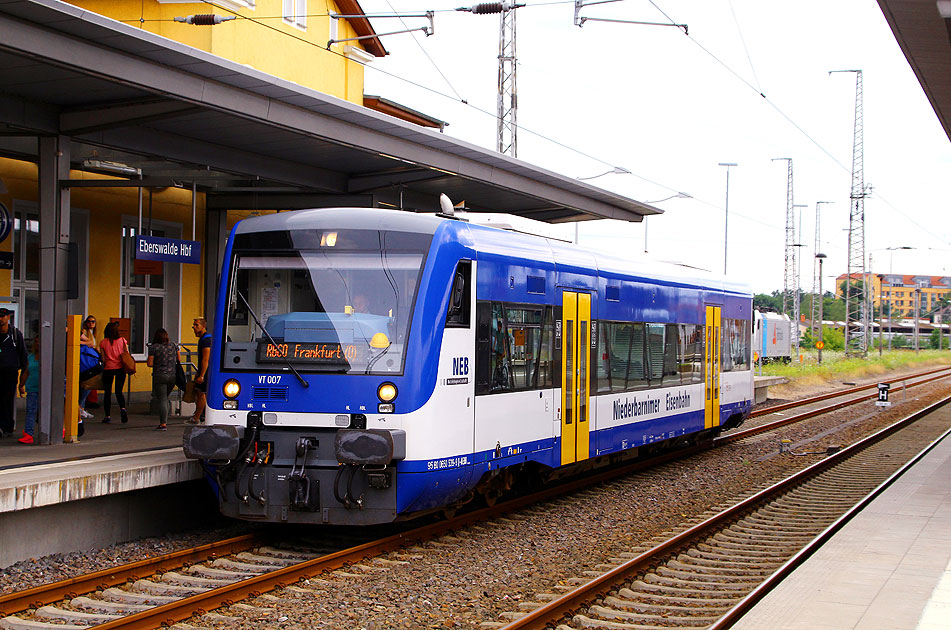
[889, 568]
[108, 459]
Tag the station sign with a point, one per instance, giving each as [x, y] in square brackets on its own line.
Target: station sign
[167, 249]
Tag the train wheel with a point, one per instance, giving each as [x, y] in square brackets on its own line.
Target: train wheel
[449, 512]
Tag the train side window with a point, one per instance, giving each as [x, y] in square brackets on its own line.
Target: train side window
[691, 359]
[500, 360]
[623, 362]
[460, 296]
[655, 353]
[671, 346]
[526, 327]
[483, 347]
[735, 345]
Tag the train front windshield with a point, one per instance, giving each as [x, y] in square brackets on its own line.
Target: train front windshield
[326, 301]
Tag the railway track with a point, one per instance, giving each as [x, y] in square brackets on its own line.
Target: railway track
[176, 586]
[709, 575]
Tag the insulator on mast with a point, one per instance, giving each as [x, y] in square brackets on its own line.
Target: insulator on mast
[205, 19]
[485, 8]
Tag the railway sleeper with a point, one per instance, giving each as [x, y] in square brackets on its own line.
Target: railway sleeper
[774, 536]
[745, 542]
[19, 623]
[271, 561]
[611, 614]
[736, 568]
[158, 588]
[712, 580]
[765, 522]
[741, 551]
[103, 606]
[292, 554]
[718, 560]
[677, 591]
[228, 563]
[673, 600]
[689, 582]
[660, 609]
[587, 623]
[115, 594]
[202, 570]
[183, 579]
[818, 498]
[52, 613]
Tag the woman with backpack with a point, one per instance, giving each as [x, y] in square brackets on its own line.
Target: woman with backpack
[163, 357]
[87, 337]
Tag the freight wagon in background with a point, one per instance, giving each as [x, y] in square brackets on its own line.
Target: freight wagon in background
[772, 333]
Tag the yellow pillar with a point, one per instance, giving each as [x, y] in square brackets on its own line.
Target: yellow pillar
[71, 412]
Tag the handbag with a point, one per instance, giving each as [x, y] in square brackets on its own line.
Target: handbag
[180, 381]
[189, 395]
[128, 363]
[93, 383]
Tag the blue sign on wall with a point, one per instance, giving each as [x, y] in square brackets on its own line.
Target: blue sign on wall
[167, 249]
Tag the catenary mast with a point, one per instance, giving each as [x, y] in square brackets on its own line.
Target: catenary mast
[508, 95]
[789, 276]
[856, 307]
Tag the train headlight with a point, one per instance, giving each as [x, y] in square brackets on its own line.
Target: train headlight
[387, 394]
[231, 388]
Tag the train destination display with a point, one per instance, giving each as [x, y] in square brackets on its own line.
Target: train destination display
[304, 352]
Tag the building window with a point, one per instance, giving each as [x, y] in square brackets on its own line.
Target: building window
[26, 270]
[143, 296]
[295, 12]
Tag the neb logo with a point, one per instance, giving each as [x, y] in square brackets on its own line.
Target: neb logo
[460, 366]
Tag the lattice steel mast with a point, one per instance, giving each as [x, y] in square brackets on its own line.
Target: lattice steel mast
[508, 94]
[856, 307]
[507, 111]
[789, 275]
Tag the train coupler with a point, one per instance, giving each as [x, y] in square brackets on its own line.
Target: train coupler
[304, 492]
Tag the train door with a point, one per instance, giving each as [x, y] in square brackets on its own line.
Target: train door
[711, 368]
[575, 376]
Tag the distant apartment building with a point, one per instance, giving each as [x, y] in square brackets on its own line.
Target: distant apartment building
[896, 292]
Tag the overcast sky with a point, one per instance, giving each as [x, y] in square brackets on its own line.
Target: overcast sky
[669, 108]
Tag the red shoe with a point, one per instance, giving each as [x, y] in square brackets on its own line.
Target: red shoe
[26, 439]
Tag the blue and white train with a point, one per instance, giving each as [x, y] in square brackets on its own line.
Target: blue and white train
[371, 365]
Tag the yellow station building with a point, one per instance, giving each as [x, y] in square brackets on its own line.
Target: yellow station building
[285, 38]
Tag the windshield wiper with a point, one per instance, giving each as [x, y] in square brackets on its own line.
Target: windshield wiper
[271, 339]
[373, 361]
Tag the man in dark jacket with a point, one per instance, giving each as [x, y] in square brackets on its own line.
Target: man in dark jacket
[12, 361]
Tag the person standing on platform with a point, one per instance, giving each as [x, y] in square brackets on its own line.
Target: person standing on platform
[87, 337]
[12, 361]
[32, 391]
[163, 356]
[112, 348]
[200, 327]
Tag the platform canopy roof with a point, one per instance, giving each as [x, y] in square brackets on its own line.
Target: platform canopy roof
[924, 35]
[247, 139]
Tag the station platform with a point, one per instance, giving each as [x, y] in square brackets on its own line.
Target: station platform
[114, 484]
[889, 568]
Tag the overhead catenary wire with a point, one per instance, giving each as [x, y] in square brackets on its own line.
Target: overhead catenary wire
[431, 60]
[540, 135]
